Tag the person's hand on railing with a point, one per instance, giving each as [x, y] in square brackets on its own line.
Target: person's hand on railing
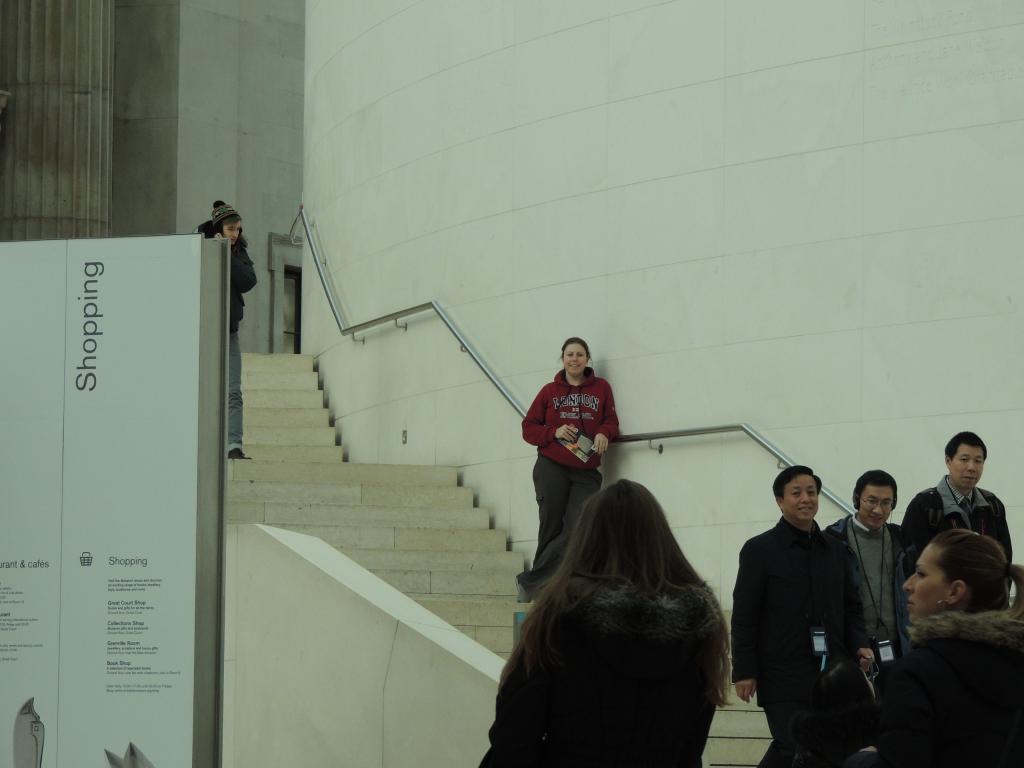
[600, 444]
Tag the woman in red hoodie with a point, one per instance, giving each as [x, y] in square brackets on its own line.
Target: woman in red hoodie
[571, 421]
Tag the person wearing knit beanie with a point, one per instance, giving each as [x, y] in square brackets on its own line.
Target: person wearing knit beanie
[206, 228]
[225, 222]
[222, 211]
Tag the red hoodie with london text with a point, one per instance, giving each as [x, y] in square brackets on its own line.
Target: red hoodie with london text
[589, 407]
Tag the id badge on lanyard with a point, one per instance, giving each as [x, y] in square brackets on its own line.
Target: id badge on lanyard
[885, 652]
[819, 641]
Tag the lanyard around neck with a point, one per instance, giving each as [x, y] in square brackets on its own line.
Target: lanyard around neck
[879, 621]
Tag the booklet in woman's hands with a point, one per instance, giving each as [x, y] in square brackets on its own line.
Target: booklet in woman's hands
[582, 447]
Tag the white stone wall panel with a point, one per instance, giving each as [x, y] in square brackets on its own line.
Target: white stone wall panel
[788, 214]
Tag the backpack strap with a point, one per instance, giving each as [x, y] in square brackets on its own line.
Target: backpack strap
[998, 510]
[935, 509]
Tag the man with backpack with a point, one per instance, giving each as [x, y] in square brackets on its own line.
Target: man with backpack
[957, 501]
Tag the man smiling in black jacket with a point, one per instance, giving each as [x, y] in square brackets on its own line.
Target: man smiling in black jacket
[794, 608]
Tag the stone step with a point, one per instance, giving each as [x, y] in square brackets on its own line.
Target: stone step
[321, 473]
[734, 752]
[496, 639]
[372, 536]
[492, 583]
[279, 363]
[745, 723]
[508, 564]
[455, 540]
[245, 511]
[352, 494]
[417, 496]
[312, 436]
[471, 610]
[284, 398]
[298, 515]
[286, 417]
[244, 490]
[348, 538]
[735, 702]
[300, 454]
[262, 380]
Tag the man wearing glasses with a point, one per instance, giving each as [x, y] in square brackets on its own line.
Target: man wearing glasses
[957, 501]
[877, 563]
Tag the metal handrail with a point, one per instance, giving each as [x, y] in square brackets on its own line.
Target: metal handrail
[339, 318]
[347, 330]
[463, 342]
[651, 437]
[642, 437]
[396, 316]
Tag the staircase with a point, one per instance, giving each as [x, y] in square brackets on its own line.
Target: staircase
[412, 526]
[739, 736]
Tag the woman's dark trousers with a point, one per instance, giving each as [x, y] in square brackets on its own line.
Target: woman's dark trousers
[561, 491]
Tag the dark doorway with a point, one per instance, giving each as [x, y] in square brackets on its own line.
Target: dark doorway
[292, 329]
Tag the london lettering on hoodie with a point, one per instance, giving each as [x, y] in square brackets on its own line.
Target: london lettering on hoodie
[590, 407]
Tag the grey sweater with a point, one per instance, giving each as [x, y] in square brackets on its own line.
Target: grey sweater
[877, 585]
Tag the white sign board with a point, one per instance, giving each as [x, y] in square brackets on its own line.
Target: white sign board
[98, 497]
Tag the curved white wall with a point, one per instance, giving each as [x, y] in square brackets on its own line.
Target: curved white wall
[804, 214]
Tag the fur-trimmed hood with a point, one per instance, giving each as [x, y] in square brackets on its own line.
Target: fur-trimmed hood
[692, 612]
[986, 650]
[646, 636]
[995, 628]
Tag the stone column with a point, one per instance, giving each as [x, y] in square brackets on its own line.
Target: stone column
[56, 59]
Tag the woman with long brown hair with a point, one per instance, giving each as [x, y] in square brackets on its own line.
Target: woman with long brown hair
[624, 654]
[955, 699]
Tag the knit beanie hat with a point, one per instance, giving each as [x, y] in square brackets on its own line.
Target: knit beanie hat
[221, 212]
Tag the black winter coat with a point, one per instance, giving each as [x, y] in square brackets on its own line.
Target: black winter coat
[951, 701]
[927, 508]
[243, 278]
[788, 582]
[626, 692]
[824, 739]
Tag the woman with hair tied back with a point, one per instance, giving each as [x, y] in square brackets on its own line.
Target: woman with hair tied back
[956, 699]
[572, 420]
[623, 656]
